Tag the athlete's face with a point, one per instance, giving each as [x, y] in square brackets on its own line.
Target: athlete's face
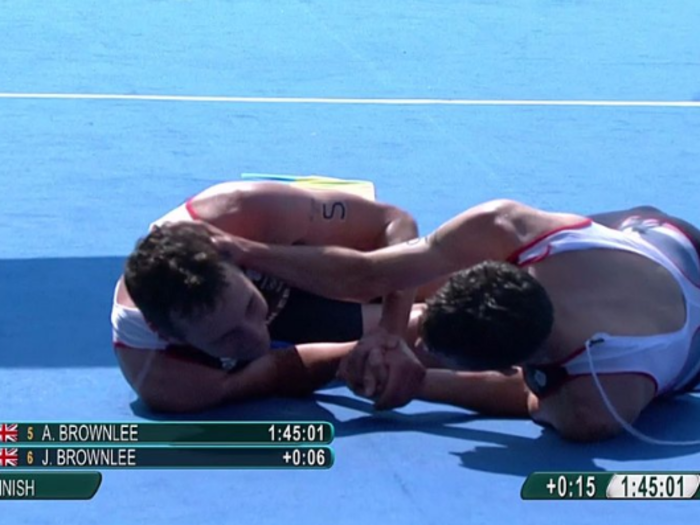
[236, 327]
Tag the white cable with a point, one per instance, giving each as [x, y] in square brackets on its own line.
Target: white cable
[624, 424]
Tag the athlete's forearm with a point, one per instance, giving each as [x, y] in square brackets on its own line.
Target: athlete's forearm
[290, 372]
[487, 232]
[330, 271]
[491, 393]
[396, 307]
[343, 273]
[301, 370]
[396, 311]
[174, 385]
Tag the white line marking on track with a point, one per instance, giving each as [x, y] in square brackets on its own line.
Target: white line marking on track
[355, 101]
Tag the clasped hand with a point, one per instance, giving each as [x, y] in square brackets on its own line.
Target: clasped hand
[382, 367]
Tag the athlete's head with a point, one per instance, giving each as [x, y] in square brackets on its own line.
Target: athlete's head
[183, 286]
[489, 317]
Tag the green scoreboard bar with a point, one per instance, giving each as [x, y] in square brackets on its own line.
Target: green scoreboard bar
[611, 485]
[49, 485]
[165, 457]
[231, 433]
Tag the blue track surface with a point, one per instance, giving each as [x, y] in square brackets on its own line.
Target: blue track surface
[81, 179]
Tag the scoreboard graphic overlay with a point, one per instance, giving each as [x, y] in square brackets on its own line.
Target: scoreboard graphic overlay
[64, 460]
[611, 485]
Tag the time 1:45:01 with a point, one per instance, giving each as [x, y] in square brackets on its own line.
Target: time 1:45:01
[295, 433]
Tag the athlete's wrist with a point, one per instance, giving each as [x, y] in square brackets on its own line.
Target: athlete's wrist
[396, 311]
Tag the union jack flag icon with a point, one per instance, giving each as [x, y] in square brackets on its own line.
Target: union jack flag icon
[8, 457]
[8, 433]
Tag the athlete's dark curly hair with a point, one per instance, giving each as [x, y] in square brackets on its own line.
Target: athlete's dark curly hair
[488, 317]
[175, 269]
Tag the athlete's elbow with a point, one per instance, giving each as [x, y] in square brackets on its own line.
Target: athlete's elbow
[176, 404]
[588, 428]
[402, 227]
[161, 406]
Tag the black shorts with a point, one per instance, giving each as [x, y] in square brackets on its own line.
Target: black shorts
[309, 318]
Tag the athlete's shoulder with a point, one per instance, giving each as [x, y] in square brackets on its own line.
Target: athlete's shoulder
[238, 197]
[243, 190]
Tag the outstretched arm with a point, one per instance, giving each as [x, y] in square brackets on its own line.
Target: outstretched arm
[167, 383]
[392, 374]
[500, 394]
[491, 231]
[580, 417]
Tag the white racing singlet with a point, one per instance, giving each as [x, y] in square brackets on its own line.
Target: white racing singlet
[671, 360]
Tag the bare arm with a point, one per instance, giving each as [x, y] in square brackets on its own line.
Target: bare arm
[393, 374]
[501, 394]
[491, 231]
[506, 395]
[283, 214]
[172, 384]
